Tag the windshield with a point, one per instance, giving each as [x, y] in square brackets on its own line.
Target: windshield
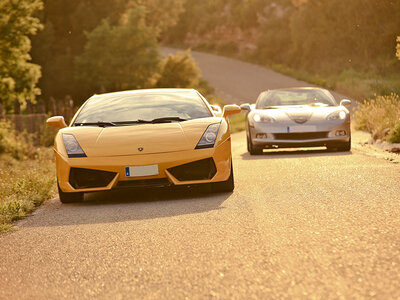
[142, 107]
[312, 97]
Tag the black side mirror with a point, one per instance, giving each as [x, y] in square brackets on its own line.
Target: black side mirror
[245, 106]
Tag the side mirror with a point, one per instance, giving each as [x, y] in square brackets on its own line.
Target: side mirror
[230, 110]
[57, 121]
[345, 103]
[245, 106]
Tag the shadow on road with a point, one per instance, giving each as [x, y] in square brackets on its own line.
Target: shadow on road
[127, 205]
[291, 153]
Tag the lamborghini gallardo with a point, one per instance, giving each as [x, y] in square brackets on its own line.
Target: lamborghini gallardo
[143, 138]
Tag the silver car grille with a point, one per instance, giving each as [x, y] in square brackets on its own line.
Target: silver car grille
[301, 135]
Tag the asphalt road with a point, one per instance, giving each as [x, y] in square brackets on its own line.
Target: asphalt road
[300, 224]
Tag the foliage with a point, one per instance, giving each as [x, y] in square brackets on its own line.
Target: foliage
[20, 146]
[66, 24]
[377, 114]
[321, 37]
[394, 136]
[161, 14]
[120, 57]
[18, 77]
[24, 185]
[179, 71]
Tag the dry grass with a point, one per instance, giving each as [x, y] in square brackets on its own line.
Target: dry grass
[24, 185]
[27, 175]
[379, 113]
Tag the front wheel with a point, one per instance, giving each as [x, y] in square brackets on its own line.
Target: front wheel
[342, 147]
[224, 186]
[69, 197]
[253, 150]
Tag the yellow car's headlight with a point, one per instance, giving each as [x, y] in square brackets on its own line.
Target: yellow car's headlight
[209, 137]
[72, 146]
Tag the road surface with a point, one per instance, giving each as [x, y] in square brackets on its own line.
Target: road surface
[300, 224]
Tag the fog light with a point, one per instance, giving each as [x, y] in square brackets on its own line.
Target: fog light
[340, 132]
[261, 135]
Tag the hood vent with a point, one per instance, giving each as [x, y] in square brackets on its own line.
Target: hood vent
[299, 117]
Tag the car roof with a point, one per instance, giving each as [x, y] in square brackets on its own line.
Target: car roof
[132, 92]
[296, 88]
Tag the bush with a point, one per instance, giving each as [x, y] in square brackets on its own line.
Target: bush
[18, 145]
[179, 71]
[377, 114]
[394, 136]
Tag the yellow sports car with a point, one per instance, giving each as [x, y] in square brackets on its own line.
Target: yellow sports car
[143, 138]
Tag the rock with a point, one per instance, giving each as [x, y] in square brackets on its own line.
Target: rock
[385, 132]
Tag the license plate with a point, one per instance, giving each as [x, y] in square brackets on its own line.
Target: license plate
[305, 128]
[141, 171]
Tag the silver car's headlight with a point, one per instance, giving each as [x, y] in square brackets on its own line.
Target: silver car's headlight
[337, 115]
[209, 137]
[263, 119]
[72, 146]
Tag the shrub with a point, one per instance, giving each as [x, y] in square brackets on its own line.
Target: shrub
[377, 114]
[179, 71]
[394, 136]
[18, 145]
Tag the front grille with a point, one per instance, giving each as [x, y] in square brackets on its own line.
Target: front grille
[88, 178]
[161, 182]
[198, 170]
[301, 135]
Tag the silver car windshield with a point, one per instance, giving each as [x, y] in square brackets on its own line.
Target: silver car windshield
[274, 99]
[141, 107]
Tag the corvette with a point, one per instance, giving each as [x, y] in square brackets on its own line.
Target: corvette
[297, 117]
[143, 138]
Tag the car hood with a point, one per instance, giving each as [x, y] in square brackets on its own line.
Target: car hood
[140, 139]
[301, 114]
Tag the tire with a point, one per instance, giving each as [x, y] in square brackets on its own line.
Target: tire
[253, 150]
[342, 147]
[224, 186]
[69, 197]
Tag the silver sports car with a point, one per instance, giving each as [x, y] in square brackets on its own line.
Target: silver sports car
[297, 117]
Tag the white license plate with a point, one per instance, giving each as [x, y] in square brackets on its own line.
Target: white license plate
[302, 128]
[141, 171]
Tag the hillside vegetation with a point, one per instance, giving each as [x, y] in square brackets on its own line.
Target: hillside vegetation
[346, 45]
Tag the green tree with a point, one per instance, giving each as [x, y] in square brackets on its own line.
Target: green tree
[18, 77]
[179, 71]
[120, 57]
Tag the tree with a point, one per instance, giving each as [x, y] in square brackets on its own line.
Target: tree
[18, 77]
[179, 71]
[120, 57]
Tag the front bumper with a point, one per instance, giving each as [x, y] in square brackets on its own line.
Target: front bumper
[266, 136]
[220, 157]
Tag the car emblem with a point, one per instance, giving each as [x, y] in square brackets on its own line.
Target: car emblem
[301, 120]
[140, 149]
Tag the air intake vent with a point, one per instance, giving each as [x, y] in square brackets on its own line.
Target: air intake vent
[300, 135]
[199, 170]
[88, 178]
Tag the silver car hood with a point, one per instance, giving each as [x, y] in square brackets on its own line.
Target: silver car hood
[299, 114]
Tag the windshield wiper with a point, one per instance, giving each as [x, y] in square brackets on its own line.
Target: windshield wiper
[99, 123]
[168, 120]
[270, 107]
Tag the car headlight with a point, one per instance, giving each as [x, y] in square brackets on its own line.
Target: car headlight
[209, 137]
[337, 115]
[264, 119]
[72, 146]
